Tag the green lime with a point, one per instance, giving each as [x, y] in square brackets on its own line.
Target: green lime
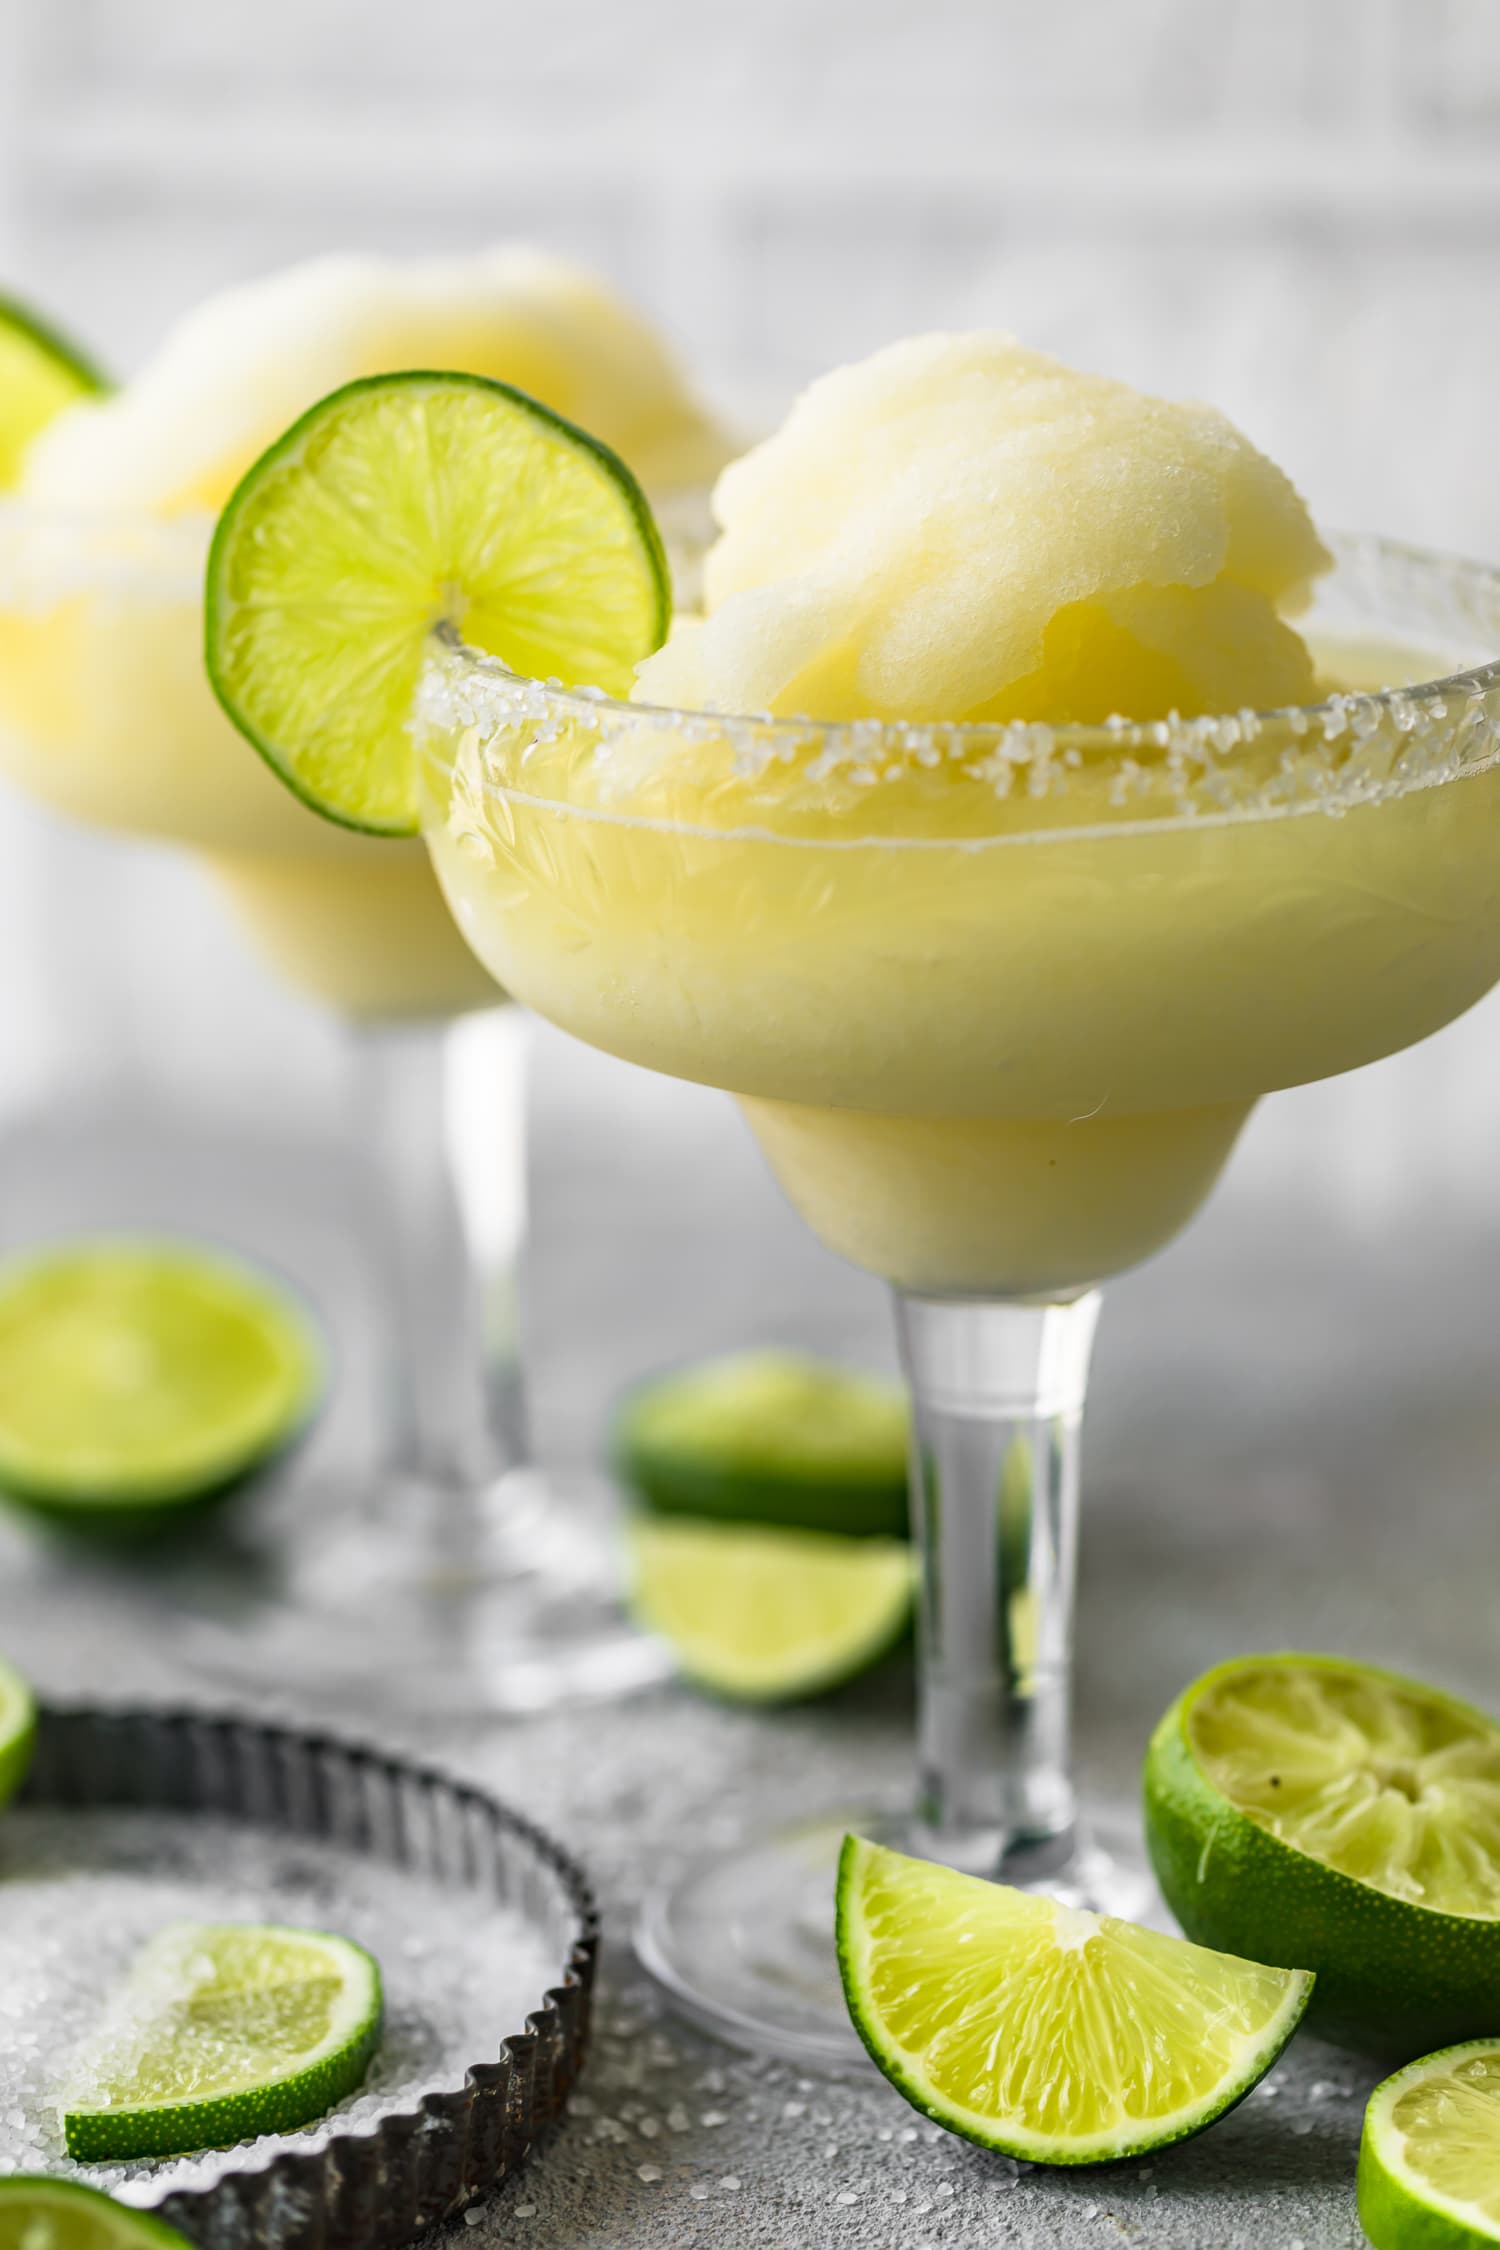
[772, 1437]
[1055, 2036]
[1429, 2157]
[223, 2031]
[1313, 1810]
[769, 1616]
[397, 504]
[40, 374]
[139, 1378]
[17, 1732]
[40, 2214]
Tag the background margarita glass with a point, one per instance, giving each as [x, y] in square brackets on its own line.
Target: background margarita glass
[997, 1001]
[461, 1576]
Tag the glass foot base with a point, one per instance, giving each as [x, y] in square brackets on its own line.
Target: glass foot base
[742, 1941]
[521, 1611]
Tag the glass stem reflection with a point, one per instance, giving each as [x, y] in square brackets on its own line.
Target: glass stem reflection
[998, 1393]
[441, 1117]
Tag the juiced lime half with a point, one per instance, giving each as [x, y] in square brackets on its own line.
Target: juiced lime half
[769, 1616]
[17, 1730]
[1055, 2036]
[40, 374]
[1429, 2159]
[42, 2214]
[222, 2031]
[395, 505]
[1311, 1810]
[139, 1378]
[773, 1437]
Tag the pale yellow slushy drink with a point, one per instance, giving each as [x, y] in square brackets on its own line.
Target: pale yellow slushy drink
[997, 981]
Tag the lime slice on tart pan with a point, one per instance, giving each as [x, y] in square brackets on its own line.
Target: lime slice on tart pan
[396, 504]
[1316, 1811]
[1052, 2035]
[221, 2032]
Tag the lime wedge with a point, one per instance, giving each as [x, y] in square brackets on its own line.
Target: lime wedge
[770, 1437]
[1429, 2157]
[769, 1616]
[1311, 1810]
[138, 1379]
[395, 505]
[221, 2032]
[40, 2214]
[40, 374]
[1053, 2035]
[17, 1730]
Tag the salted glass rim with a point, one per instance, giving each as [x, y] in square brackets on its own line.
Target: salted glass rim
[1208, 732]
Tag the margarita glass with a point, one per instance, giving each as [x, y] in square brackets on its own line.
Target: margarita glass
[996, 1001]
[459, 1575]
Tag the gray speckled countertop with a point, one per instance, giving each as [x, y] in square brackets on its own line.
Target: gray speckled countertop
[1295, 1440]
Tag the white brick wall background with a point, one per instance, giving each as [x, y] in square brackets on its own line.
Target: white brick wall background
[1290, 206]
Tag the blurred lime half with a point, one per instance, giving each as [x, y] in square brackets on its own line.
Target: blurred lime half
[769, 1616]
[17, 1730]
[40, 374]
[398, 504]
[139, 1378]
[41, 2214]
[772, 1437]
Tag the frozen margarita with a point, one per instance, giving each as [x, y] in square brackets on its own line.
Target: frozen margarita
[999, 995]
[105, 712]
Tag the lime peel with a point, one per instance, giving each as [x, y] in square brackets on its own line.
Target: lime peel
[397, 504]
[937, 1966]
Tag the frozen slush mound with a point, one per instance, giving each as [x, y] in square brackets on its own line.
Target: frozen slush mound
[958, 528]
[235, 372]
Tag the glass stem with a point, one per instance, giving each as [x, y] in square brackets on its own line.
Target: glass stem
[441, 1119]
[998, 1394]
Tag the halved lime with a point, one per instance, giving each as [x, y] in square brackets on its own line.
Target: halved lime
[42, 2214]
[1055, 2036]
[773, 1437]
[40, 374]
[397, 504]
[221, 2032]
[1311, 1810]
[138, 1379]
[769, 1616]
[1429, 2156]
[17, 1730]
